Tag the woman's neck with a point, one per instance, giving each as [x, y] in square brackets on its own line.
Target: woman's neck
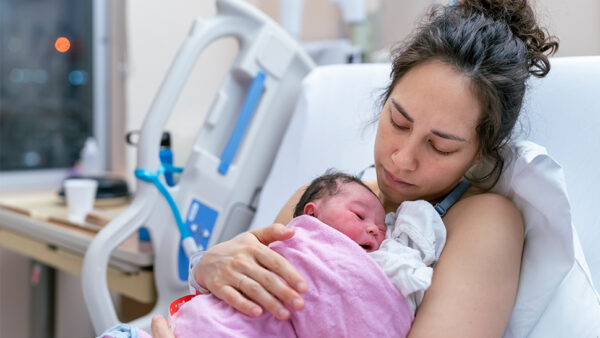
[388, 205]
[392, 206]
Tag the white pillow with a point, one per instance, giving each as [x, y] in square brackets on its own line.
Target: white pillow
[556, 296]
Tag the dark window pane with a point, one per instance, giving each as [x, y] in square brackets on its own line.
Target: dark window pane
[46, 109]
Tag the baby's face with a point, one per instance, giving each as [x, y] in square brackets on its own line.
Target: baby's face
[356, 212]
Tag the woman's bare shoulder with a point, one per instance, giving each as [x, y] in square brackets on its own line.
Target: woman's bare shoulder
[372, 184]
[485, 209]
[287, 211]
[475, 281]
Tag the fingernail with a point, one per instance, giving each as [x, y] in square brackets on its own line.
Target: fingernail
[297, 303]
[283, 313]
[301, 286]
[256, 311]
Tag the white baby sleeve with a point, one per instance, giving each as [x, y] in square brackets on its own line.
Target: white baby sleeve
[414, 242]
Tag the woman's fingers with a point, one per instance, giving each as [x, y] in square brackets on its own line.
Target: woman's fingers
[223, 267]
[279, 266]
[160, 328]
[273, 262]
[249, 283]
[235, 299]
[252, 289]
[273, 233]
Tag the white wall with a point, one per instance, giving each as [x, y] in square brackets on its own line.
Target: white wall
[575, 22]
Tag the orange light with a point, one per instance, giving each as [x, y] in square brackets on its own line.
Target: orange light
[62, 44]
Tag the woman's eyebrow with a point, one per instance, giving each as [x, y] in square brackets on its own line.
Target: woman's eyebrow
[435, 132]
[448, 136]
[402, 111]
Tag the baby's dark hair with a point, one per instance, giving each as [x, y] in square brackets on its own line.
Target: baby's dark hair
[326, 185]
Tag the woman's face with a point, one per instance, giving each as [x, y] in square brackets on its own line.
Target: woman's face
[426, 137]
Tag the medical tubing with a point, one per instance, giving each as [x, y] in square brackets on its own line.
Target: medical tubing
[189, 245]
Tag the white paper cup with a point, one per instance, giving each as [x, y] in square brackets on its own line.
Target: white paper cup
[80, 194]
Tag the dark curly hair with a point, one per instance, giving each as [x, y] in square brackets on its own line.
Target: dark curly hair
[327, 184]
[497, 45]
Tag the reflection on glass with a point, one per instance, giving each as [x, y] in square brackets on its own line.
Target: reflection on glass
[45, 82]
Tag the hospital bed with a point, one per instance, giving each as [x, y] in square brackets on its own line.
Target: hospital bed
[330, 127]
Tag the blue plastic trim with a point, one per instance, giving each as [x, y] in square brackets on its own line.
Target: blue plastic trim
[250, 103]
[148, 176]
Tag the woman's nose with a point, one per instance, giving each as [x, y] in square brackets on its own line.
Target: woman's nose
[405, 158]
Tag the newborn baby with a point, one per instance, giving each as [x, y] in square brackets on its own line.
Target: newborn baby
[341, 269]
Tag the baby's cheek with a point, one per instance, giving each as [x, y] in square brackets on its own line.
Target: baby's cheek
[355, 234]
[381, 237]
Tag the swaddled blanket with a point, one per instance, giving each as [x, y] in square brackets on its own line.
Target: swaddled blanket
[348, 295]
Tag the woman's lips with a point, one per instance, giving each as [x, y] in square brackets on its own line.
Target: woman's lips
[395, 182]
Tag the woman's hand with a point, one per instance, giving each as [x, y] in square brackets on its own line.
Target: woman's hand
[245, 273]
[160, 328]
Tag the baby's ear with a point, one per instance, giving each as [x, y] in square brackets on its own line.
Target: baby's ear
[311, 209]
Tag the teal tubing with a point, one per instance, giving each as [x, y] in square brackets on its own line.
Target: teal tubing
[148, 176]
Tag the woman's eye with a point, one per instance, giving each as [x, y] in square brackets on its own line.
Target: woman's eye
[444, 153]
[397, 126]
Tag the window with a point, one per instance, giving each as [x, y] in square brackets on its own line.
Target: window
[52, 87]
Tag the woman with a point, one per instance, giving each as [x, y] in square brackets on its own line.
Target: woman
[456, 90]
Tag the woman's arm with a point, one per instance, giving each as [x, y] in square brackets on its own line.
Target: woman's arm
[224, 266]
[475, 282]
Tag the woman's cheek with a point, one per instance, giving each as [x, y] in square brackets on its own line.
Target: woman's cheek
[380, 146]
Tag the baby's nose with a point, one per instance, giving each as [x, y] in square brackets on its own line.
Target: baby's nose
[372, 229]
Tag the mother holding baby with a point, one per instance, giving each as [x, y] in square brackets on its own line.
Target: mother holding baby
[457, 85]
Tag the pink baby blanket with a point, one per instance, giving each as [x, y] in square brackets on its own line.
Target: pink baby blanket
[348, 295]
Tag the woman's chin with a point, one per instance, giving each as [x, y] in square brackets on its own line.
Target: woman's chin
[392, 198]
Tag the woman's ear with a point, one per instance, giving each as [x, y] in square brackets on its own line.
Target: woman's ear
[478, 158]
[311, 209]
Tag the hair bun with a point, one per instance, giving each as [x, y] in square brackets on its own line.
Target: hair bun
[520, 17]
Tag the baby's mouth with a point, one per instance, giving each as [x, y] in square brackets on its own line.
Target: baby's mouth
[368, 247]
